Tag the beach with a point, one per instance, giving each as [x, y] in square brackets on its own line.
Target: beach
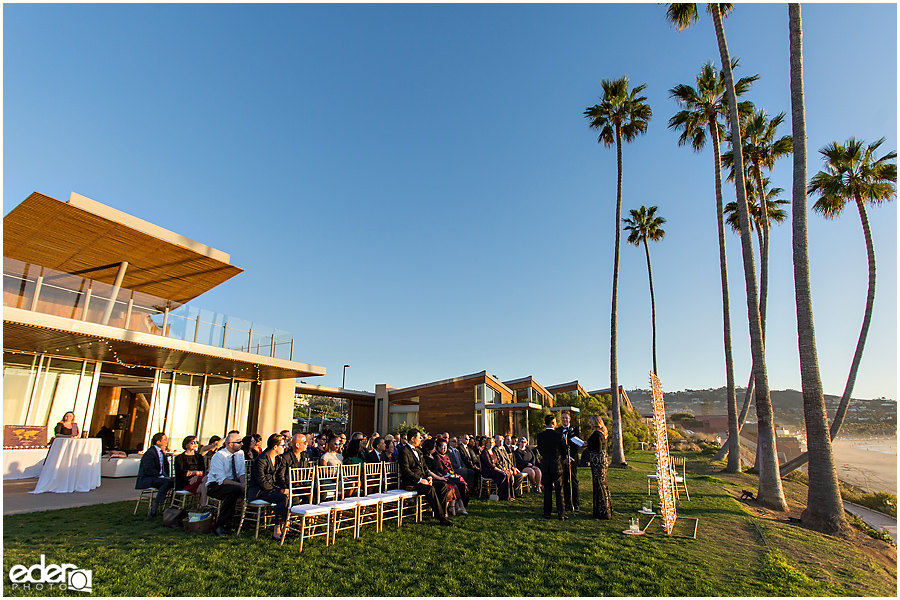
[867, 463]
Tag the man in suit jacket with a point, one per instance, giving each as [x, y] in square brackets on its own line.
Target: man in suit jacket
[459, 466]
[552, 448]
[376, 454]
[469, 458]
[154, 470]
[570, 474]
[294, 456]
[413, 475]
[507, 463]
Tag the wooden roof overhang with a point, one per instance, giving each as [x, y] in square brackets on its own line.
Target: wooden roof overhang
[91, 240]
[526, 382]
[572, 386]
[333, 392]
[513, 406]
[30, 332]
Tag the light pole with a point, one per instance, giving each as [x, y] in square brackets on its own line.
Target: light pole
[343, 385]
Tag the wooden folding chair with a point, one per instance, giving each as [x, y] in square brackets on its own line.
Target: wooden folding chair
[373, 478]
[314, 521]
[680, 481]
[257, 511]
[327, 482]
[351, 481]
[487, 485]
[391, 476]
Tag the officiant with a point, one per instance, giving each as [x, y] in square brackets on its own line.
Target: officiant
[572, 436]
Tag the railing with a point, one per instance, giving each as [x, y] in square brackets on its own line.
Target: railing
[45, 290]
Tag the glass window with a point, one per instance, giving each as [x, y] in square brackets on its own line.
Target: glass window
[215, 409]
[184, 407]
[240, 406]
[56, 392]
[398, 418]
[18, 377]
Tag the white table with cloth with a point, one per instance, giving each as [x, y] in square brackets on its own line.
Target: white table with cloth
[72, 465]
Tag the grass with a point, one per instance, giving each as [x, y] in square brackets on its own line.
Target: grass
[502, 549]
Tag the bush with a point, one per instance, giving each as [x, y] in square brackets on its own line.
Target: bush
[884, 502]
[674, 434]
[629, 441]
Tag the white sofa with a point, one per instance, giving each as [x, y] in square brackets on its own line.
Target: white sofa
[119, 467]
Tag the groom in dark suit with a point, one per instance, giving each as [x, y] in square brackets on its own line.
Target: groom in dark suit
[414, 476]
[570, 472]
[552, 448]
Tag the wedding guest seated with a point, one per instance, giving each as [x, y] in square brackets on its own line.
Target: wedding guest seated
[490, 468]
[458, 464]
[469, 453]
[251, 446]
[190, 468]
[318, 449]
[154, 470]
[214, 445]
[332, 456]
[377, 453]
[507, 463]
[294, 456]
[226, 479]
[527, 463]
[264, 481]
[439, 465]
[390, 451]
[414, 475]
[352, 452]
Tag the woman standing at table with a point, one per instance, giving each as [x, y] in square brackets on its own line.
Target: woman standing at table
[67, 427]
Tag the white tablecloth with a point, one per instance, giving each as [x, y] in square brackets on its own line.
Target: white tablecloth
[73, 465]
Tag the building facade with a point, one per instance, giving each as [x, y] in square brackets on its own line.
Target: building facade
[96, 321]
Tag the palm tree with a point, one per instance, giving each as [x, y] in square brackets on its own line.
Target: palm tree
[703, 109]
[644, 225]
[852, 174]
[824, 506]
[761, 149]
[770, 492]
[621, 115]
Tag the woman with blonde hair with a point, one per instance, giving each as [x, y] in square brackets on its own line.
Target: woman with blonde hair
[599, 460]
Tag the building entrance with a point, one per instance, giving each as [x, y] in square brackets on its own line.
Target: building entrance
[122, 407]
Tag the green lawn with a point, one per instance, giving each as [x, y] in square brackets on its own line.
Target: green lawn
[502, 549]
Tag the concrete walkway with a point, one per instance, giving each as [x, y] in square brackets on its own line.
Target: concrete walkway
[17, 500]
[873, 518]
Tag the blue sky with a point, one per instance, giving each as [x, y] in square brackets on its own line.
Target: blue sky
[413, 190]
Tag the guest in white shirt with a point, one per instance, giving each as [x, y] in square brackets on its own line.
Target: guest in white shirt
[226, 480]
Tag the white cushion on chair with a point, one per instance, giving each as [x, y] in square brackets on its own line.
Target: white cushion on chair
[340, 504]
[310, 509]
[259, 502]
[368, 500]
[652, 476]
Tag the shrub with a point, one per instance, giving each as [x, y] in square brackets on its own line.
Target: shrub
[674, 434]
[629, 441]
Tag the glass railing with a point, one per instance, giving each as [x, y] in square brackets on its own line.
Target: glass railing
[45, 290]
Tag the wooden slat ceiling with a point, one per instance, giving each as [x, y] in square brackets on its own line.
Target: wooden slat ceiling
[47, 232]
[30, 338]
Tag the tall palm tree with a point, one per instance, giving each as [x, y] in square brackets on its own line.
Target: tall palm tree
[704, 107]
[770, 492]
[824, 506]
[644, 225]
[852, 174]
[620, 115]
[760, 149]
[775, 215]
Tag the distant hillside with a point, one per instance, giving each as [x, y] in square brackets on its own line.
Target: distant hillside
[876, 415]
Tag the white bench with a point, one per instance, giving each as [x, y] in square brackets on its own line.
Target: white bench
[119, 467]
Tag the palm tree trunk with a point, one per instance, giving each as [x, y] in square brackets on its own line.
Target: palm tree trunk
[841, 411]
[652, 306]
[617, 450]
[733, 445]
[824, 507]
[770, 493]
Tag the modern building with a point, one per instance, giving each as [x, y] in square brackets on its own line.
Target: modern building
[97, 320]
